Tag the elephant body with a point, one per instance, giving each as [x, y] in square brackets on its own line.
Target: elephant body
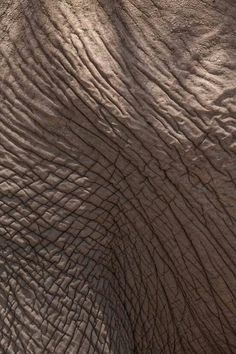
[117, 179]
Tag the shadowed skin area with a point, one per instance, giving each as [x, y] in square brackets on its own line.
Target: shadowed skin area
[118, 176]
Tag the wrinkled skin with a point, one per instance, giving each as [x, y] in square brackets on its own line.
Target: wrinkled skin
[117, 179]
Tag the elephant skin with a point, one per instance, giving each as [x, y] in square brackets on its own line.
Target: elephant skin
[118, 176]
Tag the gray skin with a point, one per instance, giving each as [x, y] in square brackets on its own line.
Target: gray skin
[118, 176]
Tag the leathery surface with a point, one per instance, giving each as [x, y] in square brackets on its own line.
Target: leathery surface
[117, 179]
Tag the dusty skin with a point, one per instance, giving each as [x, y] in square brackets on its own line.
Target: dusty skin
[117, 177]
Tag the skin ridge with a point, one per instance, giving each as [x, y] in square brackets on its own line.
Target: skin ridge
[118, 180]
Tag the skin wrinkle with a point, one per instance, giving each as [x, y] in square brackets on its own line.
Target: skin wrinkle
[155, 263]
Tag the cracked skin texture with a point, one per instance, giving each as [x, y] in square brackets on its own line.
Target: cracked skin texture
[117, 179]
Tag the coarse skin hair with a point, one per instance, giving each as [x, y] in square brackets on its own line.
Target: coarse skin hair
[117, 176]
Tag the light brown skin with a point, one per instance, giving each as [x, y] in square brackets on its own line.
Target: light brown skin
[117, 179]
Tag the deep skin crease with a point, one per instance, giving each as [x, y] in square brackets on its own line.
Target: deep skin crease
[117, 178]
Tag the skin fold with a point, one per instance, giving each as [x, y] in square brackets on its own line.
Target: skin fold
[117, 176]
